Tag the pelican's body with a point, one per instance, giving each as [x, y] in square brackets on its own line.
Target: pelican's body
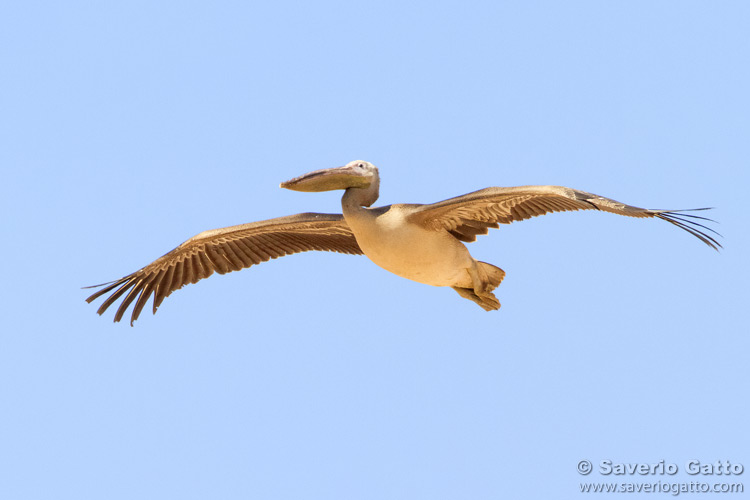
[431, 257]
[423, 243]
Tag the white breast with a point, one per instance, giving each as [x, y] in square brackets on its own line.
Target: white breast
[411, 251]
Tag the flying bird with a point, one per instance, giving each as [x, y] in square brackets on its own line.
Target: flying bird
[424, 243]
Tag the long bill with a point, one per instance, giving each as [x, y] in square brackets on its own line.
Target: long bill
[328, 179]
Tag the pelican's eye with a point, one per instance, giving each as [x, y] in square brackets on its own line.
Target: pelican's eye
[361, 165]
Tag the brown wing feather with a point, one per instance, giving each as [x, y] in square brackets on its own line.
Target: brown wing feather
[472, 214]
[226, 250]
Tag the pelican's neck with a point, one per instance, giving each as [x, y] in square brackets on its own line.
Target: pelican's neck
[356, 198]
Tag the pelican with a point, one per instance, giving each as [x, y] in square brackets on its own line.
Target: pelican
[423, 243]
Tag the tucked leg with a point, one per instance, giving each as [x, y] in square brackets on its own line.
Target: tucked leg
[484, 278]
[486, 301]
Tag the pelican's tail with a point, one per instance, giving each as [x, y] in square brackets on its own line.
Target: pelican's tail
[494, 274]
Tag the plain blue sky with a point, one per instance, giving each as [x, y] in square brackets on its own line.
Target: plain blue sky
[127, 128]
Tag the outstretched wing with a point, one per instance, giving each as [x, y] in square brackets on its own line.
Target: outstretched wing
[471, 214]
[226, 250]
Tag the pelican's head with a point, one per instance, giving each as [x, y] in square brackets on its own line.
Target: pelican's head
[355, 174]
